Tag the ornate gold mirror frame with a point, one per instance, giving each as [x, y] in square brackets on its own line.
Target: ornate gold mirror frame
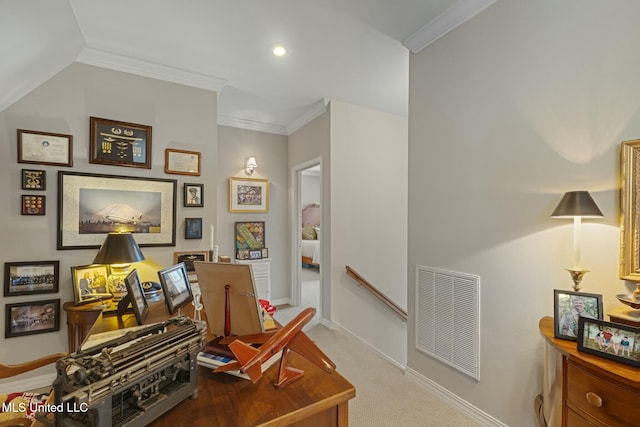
[629, 212]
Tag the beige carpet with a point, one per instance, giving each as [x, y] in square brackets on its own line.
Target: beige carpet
[384, 396]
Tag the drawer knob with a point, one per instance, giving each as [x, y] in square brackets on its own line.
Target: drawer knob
[594, 399]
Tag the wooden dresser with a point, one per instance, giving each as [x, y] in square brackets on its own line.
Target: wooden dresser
[595, 391]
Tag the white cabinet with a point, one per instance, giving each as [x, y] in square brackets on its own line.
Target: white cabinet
[262, 276]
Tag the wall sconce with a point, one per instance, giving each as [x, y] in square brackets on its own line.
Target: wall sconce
[577, 205]
[119, 250]
[252, 165]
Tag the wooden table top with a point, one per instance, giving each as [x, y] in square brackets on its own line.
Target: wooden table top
[226, 400]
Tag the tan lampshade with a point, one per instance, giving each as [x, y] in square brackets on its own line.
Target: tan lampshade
[119, 248]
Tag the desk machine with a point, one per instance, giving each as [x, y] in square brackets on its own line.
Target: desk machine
[130, 380]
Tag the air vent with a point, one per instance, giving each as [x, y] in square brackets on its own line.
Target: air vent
[448, 318]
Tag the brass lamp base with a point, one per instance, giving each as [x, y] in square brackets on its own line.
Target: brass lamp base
[576, 276]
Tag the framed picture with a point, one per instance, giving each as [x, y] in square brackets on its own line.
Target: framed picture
[119, 143]
[175, 286]
[31, 277]
[248, 195]
[45, 148]
[33, 204]
[136, 296]
[193, 195]
[255, 254]
[90, 206]
[33, 317]
[181, 162]
[34, 179]
[189, 257]
[569, 307]
[92, 283]
[630, 226]
[265, 253]
[193, 228]
[613, 341]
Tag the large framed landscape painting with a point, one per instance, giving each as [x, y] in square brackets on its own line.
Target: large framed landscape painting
[91, 205]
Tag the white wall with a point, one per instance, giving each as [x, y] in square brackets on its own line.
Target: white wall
[369, 224]
[234, 147]
[180, 117]
[522, 103]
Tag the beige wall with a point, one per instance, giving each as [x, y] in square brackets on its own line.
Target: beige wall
[181, 117]
[524, 102]
[270, 150]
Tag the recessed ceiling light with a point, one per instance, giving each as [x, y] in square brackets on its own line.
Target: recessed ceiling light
[279, 51]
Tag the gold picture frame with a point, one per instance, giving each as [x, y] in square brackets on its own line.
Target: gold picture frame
[248, 195]
[629, 212]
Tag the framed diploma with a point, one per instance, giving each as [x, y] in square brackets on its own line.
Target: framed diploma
[181, 162]
[45, 148]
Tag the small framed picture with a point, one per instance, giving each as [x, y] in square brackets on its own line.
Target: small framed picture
[176, 287]
[181, 162]
[613, 341]
[92, 283]
[189, 257]
[248, 195]
[242, 254]
[193, 195]
[30, 278]
[119, 143]
[33, 317]
[34, 179]
[569, 307]
[34, 204]
[193, 228]
[136, 296]
[265, 253]
[45, 148]
[255, 254]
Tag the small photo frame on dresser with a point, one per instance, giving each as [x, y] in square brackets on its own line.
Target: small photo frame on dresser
[569, 307]
[613, 341]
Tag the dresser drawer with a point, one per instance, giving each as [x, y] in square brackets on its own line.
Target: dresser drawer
[608, 403]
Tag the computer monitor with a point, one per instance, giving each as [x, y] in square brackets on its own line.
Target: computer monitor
[244, 308]
[176, 287]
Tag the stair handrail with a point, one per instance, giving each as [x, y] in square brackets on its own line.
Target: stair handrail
[361, 281]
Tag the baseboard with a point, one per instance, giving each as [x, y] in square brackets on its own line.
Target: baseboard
[27, 384]
[281, 301]
[457, 402]
[345, 331]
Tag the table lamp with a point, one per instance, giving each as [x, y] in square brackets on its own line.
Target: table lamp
[119, 250]
[577, 205]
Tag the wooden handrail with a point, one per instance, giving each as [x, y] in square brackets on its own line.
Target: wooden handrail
[382, 297]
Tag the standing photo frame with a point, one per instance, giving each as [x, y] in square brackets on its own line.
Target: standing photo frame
[250, 235]
[31, 277]
[118, 143]
[135, 295]
[92, 205]
[45, 148]
[176, 287]
[90, 283]
[569, 307]
[188, 258]
[32, 317]
[193, 195]
[248, 195]
[612, 341]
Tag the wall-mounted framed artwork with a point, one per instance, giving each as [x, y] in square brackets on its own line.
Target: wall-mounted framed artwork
[32, 317]
[630, 227]
[248, 195]
[118, 143]
[188, 257]
[193, 228]
[92, 205]
[33, 204]
[34, 179]
[45, 148]
[193, 195]
[181, 162]
[31, 277]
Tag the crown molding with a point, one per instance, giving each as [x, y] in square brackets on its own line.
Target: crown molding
[453, 17]
[316, 110]
[127, 64]
[235, 122]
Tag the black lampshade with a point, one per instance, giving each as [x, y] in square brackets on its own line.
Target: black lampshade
[577, 203]
[119, 248]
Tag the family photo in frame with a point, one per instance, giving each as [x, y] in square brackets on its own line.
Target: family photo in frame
[613, 341]
[569, 307]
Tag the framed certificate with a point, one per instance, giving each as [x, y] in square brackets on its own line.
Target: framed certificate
[181, 162]
[45, 148]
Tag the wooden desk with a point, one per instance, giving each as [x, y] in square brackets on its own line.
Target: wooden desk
[317, 399]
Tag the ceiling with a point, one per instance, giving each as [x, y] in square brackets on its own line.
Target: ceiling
[355, 51]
